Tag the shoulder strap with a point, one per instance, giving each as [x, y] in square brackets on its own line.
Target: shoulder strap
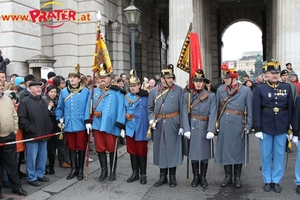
[99, 100]
[161, 94]
[71, 94]
[202, 98]
[225, 101]
[130, 101]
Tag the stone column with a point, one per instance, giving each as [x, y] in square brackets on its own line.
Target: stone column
[286, 33]
[20, 39]
[179, 24]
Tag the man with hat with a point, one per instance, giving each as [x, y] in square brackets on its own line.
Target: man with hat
[203, 115]
[284, 76]
[136, 128]
[108, 122]
[234, 121]
[71, 113]
[165, 115]
[27, 79]
[272, 116]
[34, 121]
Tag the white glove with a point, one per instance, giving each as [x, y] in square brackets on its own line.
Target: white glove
[180, 132]
[61, 123]
[49, 107]
[210, 135]
[152, 123]
[187, 134]
[259, 135]
[289, 137]
[295, 140]
[88, 127]
[122, 134]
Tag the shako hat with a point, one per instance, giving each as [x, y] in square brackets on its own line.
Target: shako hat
[169, 72]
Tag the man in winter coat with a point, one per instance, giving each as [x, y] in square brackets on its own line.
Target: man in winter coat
[203, 115]
[34, 121]
[234, 103]
[165, 115]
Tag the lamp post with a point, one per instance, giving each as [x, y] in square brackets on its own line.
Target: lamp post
[133, 15]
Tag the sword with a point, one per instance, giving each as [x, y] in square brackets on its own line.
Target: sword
[245, 135]
[113, 165]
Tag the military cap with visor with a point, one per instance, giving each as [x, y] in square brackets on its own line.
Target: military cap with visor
[168, 72]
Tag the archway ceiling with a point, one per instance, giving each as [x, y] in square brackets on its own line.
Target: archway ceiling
[231, 11]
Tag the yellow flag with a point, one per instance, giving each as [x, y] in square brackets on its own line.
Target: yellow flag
[101, 55]
[184, 57]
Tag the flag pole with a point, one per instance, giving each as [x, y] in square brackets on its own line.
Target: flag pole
[92, 96]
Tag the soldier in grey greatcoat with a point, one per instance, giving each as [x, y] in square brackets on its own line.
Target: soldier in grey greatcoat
[203, 115]
[165, 118]
[235, 121]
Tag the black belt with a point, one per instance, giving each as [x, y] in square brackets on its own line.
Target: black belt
[274, 109]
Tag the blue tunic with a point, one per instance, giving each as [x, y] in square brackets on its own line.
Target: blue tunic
[112, 108]
[139, 125]
[75, 109]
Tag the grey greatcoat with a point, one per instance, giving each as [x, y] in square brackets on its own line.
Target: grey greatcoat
[167, 147]
[200, 147]
[230, 145]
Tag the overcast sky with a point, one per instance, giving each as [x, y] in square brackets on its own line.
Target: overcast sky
[240, 37]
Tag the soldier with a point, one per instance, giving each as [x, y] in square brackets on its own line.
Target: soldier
[108, 122]
[203, 119]
[165, 115]
[296, 129]
[73, 114]
[136, 128]
[272, 112]
[234, 102]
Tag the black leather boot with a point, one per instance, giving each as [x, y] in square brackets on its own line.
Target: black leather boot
[51, 163]
[162, 178]
[73, 160]
[195, 168]
[113, 165]
[228, 176]
[81, 159]
[203, 181]
[237, 175]
[103, 163]
[173, 181]
[143, 167]
[135, 168]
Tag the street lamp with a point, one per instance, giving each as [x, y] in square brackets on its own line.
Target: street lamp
[133, 15]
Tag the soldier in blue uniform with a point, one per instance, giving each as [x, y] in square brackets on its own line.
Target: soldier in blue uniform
[108, 122]
[296, 131]
[72, 112]
[136, 128]
[272, 113]
[202, 129]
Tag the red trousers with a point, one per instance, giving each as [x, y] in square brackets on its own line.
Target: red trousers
[134, 147]
[104, 141]
[76, 140]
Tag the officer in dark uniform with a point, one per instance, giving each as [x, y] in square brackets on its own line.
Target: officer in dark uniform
[272, 115]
